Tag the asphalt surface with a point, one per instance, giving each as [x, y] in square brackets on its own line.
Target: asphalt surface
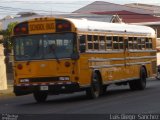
[118, 99]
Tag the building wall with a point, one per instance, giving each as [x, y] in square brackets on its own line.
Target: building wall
[3, 78]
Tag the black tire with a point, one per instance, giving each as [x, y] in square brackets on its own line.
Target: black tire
[139, 84]
[158, 75]
[95, 89]
[104, 90]
[40, 96]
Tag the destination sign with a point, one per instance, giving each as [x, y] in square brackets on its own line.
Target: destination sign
[41, 27]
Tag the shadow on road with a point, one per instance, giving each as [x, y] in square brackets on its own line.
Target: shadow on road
[81, 97]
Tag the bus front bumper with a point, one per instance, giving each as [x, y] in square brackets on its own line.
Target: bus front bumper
[50, 89]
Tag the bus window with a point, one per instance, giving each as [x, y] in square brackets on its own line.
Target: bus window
[90, 43]
[130, 42]
[102, 42]
[135, 45]
[121, 43]
[82, 43]
[139, 43]
[115, 42]
[143, 43]
[148, 43]
[109, 42]
[96, 42]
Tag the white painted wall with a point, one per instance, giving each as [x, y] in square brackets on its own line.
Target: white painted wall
[3, 78]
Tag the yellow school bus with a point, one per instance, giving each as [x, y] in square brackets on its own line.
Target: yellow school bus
[64, 55]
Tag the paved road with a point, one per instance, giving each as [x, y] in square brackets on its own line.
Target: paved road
[118, 99]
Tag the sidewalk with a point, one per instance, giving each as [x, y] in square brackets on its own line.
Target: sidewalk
[9, 90]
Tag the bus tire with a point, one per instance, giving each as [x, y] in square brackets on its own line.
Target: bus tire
[104, 90]
[40, 96]
[158, 73]
[139, 84]
[94, 91]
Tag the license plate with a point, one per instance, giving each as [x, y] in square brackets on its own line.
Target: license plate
[43, 88]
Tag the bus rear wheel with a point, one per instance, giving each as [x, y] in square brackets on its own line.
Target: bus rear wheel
[95, 89]
[40, 96]
[139, 84]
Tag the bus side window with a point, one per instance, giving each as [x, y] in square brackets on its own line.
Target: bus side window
[130, 42]
[115, 42]
[82, 43]
[135, 44]
[139, 43]
[121, 43]
[125, 43]
[151, 43]
[143, 45]
[109, 43]
[90, 43]
[96, 42]
[148, 43]
[102, 43]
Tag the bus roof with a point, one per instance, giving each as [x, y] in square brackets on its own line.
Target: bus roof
[87, 25]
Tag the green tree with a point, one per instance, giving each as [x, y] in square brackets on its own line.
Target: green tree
[7, 34]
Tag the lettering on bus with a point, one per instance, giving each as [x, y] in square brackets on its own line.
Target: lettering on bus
[42, 27]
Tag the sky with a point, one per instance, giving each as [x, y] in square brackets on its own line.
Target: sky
[12, 7]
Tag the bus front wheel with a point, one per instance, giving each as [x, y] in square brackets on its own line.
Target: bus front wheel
[40, 96]
[139, 84]
[95, 89]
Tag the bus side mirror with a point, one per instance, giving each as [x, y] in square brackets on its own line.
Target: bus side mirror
[75, 56]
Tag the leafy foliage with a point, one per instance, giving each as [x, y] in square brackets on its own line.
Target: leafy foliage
[7, 34]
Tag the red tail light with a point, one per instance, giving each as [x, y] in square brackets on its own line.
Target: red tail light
[67, 64]
[19, 66]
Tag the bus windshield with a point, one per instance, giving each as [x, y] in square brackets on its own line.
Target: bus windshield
[44, 46]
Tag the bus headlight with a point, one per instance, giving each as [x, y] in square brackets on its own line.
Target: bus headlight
[24, 80]
[63, 78]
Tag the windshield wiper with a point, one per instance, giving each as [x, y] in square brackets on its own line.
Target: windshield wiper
[56, 57]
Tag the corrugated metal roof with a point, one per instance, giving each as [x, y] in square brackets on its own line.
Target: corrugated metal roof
[101, 6]
[94, 17]
[154, 8]
[131, 17]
